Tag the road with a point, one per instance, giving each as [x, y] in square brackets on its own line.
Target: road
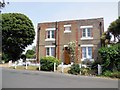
[37, 79]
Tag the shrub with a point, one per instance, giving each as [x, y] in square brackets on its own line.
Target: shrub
[114, 74]
[110, 57]
[85, 71]
[74, 69]
[47, 63]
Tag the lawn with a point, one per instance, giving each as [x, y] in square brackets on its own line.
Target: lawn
[24, 67]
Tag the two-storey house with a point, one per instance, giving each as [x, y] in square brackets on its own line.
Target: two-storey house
[53, 38]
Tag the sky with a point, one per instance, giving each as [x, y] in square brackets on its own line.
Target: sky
[44, 11]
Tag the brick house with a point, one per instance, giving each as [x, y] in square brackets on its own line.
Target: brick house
[53, 37]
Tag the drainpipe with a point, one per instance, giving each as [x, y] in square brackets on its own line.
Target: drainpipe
[55, 38]
[38, 41]
[100, 24]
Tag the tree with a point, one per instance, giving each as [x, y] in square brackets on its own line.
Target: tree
[3, 4]
[17, 33]
[114, 28]
[30, 54]
[105, 38]
[23, 57]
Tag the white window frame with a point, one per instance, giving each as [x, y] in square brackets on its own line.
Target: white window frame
[50, 39]
[50, 49]
[67, 31]
[86, 32]
[87, 46]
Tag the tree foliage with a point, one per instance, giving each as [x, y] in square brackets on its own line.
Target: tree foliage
[114, 28]
[110, 57]
[106, 37]
[17, 33]
[3, 4]
[30, 54]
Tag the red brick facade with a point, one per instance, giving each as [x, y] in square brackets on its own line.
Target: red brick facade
[63, 32]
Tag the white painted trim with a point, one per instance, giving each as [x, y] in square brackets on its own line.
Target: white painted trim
[50, 29]
[90, 59]
[69, 25]
[50, 39]
[86, 38]
[50, 46]
[66, 31]
[86, 26]
[87, 45]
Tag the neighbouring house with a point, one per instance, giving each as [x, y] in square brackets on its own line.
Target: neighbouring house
[53, 38]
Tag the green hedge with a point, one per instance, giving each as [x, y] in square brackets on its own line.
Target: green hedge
[47, 63]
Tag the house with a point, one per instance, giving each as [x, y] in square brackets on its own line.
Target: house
[53, 38]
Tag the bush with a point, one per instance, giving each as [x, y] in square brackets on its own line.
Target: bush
[85, 71]
[114, 74]
[47, 63]
[110, 57]
[74, 69]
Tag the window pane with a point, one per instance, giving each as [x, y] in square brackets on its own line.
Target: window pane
[48, 34]
[52, 51]
[67, 28]
[89, 52]
[89, 32]
[83, 33]
[84, 52]
[47, 51]
[53, 34]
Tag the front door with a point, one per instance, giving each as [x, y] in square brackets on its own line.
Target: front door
[66, 56]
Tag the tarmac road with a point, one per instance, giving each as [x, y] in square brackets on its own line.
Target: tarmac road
[37, 79]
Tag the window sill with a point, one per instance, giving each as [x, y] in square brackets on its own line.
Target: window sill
[87, 38]
[51, 39]
[85, 58]
[67, 31]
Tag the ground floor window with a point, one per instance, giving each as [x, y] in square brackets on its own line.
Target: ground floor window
[50, 51]
[86, 52]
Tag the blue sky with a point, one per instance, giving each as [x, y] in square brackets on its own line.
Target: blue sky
[40, 12]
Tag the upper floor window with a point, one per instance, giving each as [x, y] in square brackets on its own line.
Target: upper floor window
[50, 34]
[86, 32]
[67, 28]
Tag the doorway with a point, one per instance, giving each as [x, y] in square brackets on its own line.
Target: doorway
[66, 56]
